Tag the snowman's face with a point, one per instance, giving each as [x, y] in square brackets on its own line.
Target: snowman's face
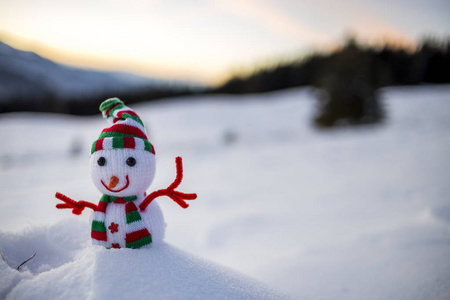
[122, 172]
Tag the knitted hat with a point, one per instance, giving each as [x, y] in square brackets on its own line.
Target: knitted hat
[127, 130]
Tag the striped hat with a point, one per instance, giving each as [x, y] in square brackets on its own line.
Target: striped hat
[127, 130]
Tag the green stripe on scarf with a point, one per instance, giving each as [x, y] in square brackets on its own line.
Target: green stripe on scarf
[143, 235]
[140, 243]
[98, 226]
[133, 216]
[109, 199]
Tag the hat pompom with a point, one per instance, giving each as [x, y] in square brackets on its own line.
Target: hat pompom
[107, 106]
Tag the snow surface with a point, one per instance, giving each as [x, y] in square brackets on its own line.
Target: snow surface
[355, 213]
[161, 272]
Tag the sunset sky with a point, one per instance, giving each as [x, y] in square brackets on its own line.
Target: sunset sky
[203, 40]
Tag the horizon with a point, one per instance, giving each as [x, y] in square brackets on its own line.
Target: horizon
[206, 41]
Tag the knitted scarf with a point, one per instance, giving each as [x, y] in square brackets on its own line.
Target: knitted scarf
[137, 235]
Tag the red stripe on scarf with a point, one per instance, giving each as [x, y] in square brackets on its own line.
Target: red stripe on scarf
[119, 201]
[129, 207]
[101, 207]
[98, 235]
[134, 236]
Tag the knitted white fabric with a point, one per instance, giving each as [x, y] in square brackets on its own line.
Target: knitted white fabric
[152, 217]
[123, 165]
[137, 179]
[140, 176]
[127, 129]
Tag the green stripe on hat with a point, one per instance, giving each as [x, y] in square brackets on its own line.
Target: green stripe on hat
[117, 143]
[114, 134]
[110, 103]
[126, 123]
[147, 146]
[93, 147]
[119, 106]
[137, 119]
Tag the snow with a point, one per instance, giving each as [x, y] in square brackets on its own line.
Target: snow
[97, 273]
[355, 213]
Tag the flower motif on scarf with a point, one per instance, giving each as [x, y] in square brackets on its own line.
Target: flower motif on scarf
[114, 227]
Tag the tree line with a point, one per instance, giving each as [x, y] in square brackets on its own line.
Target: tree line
[349, 77]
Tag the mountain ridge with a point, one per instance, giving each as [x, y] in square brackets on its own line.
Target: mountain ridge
[30, 82]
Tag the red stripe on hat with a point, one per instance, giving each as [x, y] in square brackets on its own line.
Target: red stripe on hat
[130, 112]
[98, 235]
[111, 108]
[153, 148]
[134, 236]
[122, 128]
[101, 207]
[128, 142]
[99, 145]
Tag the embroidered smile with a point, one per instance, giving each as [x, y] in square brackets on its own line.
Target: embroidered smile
[113, 182]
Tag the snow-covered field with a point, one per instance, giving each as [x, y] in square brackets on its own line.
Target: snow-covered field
[355, 213]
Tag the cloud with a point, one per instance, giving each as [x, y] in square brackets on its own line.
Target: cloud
[375, 29]
[273, 19]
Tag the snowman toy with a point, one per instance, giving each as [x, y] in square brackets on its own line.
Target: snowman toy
[122, 164]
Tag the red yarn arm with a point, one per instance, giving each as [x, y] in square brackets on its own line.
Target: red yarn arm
[76, 206]
[177, 181]
[170, 192]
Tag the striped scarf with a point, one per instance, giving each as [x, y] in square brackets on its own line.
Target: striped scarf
[137, 235]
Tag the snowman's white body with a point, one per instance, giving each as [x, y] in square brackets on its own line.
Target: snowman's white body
[132, 181]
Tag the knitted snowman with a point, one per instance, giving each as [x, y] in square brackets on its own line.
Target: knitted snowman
[122, 167]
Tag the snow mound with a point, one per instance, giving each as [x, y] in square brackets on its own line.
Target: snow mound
[62, 270]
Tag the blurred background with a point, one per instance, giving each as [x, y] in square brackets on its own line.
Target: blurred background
[314, 132]
[68, 56]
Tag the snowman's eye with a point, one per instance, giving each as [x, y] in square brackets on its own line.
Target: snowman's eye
[101, 161]
[131, 161]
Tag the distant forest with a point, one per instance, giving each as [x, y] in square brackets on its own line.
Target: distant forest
[348, 78]
[387, 66]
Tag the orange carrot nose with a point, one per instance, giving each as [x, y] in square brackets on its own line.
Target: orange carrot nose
[113, 182]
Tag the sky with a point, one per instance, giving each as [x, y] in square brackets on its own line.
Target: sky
[206, 40]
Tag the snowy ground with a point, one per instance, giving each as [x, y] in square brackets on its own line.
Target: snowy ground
[357, 213]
